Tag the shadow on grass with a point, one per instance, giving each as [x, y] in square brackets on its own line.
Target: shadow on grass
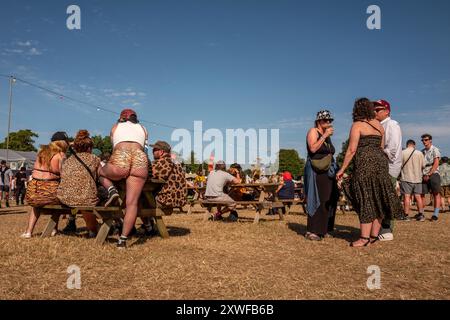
[340, 232]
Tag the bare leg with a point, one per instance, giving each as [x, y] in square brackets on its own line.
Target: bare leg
[376, 226]
[407, 203]
[134, 189]
[32, 219]
[365, 233]
[419, 201]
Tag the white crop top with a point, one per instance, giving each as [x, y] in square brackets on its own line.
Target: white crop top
[129, 132]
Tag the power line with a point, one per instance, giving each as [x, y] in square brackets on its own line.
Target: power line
[88, 104]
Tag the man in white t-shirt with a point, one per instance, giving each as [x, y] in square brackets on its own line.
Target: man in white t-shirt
[217, 180]
[431, 177]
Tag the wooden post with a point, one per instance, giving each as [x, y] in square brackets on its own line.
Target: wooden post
[162, 230]
[50, 225]
[104, 230]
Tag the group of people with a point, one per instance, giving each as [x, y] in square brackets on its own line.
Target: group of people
[12, 184]
[68, 173]
[379, 164]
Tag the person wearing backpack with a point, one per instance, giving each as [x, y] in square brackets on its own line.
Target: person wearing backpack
[413, 164]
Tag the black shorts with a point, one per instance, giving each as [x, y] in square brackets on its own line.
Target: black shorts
[4, 188]
[433, 185]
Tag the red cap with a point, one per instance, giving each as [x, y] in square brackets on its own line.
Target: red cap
[127, 113]
[287, 176]
[383, 103]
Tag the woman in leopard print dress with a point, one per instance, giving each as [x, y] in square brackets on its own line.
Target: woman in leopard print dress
[78, 187]
[370, 189]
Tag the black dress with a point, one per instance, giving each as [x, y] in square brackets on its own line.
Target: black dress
[370, 189]
[322, 221]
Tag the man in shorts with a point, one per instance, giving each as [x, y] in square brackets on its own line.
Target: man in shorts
[431, 177]
[217, 180]
[5, 182]
[444, 172]
[411, 178]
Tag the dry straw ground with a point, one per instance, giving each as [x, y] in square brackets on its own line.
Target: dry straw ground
[219, 260]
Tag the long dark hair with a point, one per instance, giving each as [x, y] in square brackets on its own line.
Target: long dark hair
[363, 109]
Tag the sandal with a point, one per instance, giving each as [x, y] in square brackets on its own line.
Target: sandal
[373, 239]
[364, 245]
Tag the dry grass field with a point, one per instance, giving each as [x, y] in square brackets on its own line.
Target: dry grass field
[220, 260]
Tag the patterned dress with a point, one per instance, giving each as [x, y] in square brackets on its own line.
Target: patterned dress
[77, 188]
[370, 189]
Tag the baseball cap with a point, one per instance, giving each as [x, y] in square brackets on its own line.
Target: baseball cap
[382, 103]
[161, 145]
[127, 113]
[60, 136]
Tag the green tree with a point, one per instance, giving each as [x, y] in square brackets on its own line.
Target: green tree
[22, 140]
[340, 157]
[102, 143]
[289, 160]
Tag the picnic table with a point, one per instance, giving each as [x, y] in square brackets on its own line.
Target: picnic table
[267, 199]
[147, 208]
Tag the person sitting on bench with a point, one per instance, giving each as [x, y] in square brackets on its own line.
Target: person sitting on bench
[217, 180]
[46, 176]
[174, 192]
[78, 187]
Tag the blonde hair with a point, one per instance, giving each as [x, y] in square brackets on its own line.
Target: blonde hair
[47, 152]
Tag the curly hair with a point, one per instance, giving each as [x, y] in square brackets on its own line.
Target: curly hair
[363, 109]
[83, 142]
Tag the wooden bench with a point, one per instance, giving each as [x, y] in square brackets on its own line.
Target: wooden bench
[147, 208]
[259, 206]
[106, 215]
[287, 203]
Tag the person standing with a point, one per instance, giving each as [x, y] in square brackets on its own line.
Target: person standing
[431, 177]
[320, 189]
[5, 182]
[21, 180]
[370, 191]
[411, 178]
[444, 172]
[393, 149]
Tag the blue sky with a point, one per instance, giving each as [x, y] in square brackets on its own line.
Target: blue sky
[233, 64]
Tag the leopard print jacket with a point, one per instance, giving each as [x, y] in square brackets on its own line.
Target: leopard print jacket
[174, 192]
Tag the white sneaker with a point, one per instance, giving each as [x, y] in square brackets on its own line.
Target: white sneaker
[25, 235]
[54, 233]
[386, 237]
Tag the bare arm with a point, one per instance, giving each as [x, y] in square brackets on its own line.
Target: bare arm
[279, 187]
[314, 143]
[351, 150]
[434, 167]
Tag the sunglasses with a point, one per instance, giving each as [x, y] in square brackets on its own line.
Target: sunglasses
[379, 109]
[155, 149]
[423, 140]
[327, 120]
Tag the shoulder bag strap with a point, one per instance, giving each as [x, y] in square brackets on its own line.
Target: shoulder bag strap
[408, 159]
[84, 165]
